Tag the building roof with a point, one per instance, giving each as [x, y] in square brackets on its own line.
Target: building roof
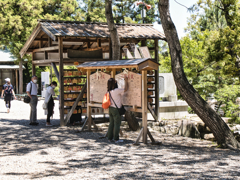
[98, 30]
[133, 63]
[6, 56]
[85, 30]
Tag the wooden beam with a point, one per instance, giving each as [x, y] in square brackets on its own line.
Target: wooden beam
[152, 112]
[40, 44]
[55, 70]
[88, 100]
[61, 103]
[47, 49]
[99, 42]
[33, 65]
[143, 42]
[138, 138]
[80, 96]
[113, 73]
[16, 71]
[49, 42]
[47, 61]
[110, 49]
[45, 55]
[156, 81]
[144, 105]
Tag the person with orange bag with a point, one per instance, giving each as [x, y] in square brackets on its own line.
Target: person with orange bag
[115, 95]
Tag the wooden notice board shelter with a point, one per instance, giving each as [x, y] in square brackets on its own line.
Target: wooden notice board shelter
[62, 43]
[142, 65]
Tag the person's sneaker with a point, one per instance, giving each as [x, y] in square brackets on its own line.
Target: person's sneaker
[119, 141]
[48, 125]
[8, 110]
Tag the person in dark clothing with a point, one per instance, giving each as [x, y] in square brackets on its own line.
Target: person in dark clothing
[8, 92]
[49, 101]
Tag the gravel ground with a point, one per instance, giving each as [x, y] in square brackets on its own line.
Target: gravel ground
[56, 152]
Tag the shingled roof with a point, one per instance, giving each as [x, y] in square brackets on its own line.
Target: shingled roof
[98, 30]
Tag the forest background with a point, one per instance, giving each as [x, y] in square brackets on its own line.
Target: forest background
[209, 48]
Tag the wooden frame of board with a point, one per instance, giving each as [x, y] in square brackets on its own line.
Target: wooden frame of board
[143, 65]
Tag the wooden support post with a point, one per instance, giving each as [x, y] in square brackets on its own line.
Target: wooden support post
[49, 42]
[99, 42]
[156, 81]
[143, 42]
[144, 105]
[16, 74]
[113, 73]
[80, 96]
[110, 49]
[45, 55]
[138, 138]
[33, 66]
[55, 71]
[51, 73]
[16, 71]
[61, 103]
[88, 100]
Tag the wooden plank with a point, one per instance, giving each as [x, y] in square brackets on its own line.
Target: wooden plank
[144, 105]
[150, 136]
[138, 138]
[61, 103]
[80, 96]
[88, 100]
[47, 48]
[84, 124]
[156, 80]
[47, 61]
[152, 112]
[56, 71]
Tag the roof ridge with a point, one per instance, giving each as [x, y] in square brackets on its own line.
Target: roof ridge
[82, 22]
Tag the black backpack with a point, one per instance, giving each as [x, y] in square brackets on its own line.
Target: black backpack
[8, 89]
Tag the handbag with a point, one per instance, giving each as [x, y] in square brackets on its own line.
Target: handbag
[26, 98]
[122, 110]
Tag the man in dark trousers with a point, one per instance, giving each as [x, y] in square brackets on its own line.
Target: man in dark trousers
[32, 90]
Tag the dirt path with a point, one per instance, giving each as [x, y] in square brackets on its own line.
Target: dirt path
[41, 152]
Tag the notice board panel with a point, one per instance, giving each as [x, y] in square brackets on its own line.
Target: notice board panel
[134, 93]
[98, 86]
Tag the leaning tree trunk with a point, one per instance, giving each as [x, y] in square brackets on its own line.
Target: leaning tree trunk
[220, 129]
[21, 77]
[113, 31]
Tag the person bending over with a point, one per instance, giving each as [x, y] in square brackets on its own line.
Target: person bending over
[50, 102]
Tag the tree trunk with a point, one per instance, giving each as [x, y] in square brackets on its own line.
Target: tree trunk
[220, 129]
[21, 77]
[113, 31]
[132, 121]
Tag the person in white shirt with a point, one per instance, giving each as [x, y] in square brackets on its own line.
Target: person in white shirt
[49, 101]
[114, 115]
[32, 90]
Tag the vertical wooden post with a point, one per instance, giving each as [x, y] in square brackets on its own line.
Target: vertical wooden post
[110, 49]
[33, 66]
[21, 76]
[61, 103]
[156, 81]
[16, 71]
[49, 42]
[144, 105]
[51, 73]
[89, 115]
[113, 73]
[99, 42]
[143, 42]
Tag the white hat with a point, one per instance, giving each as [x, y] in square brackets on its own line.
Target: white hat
[7, 79]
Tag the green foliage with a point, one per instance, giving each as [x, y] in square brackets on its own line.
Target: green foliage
[125, 11]
[227, 96]
[93, 11]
